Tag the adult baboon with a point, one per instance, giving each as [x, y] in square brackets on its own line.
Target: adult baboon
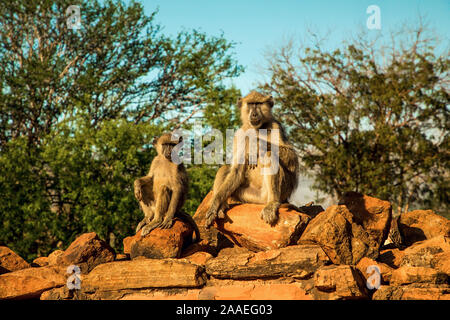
[245, 181]
[162, 192]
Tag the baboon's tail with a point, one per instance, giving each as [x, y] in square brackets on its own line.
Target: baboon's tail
[183, 215]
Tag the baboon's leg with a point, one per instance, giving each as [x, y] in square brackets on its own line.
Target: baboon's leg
[231, 182]
[143, 222]
[148, 215]
[173, 206]
[161, 206]
[220, 178]
[272, 184]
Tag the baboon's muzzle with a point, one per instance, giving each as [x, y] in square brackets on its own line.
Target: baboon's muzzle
[255, 119]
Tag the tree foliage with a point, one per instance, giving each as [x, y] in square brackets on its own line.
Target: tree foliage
[369, 117]
[79, 108]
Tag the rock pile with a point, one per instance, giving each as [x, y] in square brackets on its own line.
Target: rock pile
[310, 254]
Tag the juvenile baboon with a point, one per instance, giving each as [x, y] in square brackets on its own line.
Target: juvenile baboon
[162, 192]
[245, 182]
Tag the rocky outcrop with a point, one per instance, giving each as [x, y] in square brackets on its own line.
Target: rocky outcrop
[87, 251]
[143, 273]
[373, 214]
[160, 243]
[199, 258]
[10, 261]
[335, 258]
[413, 292]
[352, 230]
[392, 257]
[255, 291]
[40, 262]
[55, 258]
[385, 270]
[340, 282]
[244, 227]
[428, 253]
[298, 261]
[419, 225]
[31, 282]
[343, 236]
[409, 275]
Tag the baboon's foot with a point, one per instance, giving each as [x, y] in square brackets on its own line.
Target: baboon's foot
[211, 215]
[270, 212]
[221, 212]
[141, 224]
[166, 224]
[149, 227]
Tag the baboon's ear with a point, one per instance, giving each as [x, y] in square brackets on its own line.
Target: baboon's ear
[239, 103]
[155, 141]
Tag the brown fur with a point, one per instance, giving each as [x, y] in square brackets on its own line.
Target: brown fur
[244, 182]
[162, 192]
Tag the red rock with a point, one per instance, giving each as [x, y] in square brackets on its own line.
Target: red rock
[186, 294]
[202, 246]
[352, 230]
[40, 262]
[364, 263]
[88, 251]
[391, 257]
[199, 258]
[143, 273]
[413, 292]
[441, 262]
[421, 225]
[426, 253]
[408, 275]
[373, 214]
[342, 239]
[255, 291]
[299, 261]
[248, 290]
[10, 261]
[31, 282]
[121, 257]
[160, 243]
[55, 258]
[344, 282]
[61, 293]
[244, 226]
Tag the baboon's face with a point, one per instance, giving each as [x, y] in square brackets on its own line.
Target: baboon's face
[256, 113]
[164, 145]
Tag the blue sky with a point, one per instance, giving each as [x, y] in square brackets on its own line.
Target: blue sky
[259, 25]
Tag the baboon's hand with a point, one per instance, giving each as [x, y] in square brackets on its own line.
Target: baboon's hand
[211, 215]
[269, 213]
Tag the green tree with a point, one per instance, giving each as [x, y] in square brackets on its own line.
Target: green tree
[78, 109]
[369, 117]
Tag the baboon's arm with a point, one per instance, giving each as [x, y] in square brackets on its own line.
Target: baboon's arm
[139, 183]
[232, 181]
[288, 158]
